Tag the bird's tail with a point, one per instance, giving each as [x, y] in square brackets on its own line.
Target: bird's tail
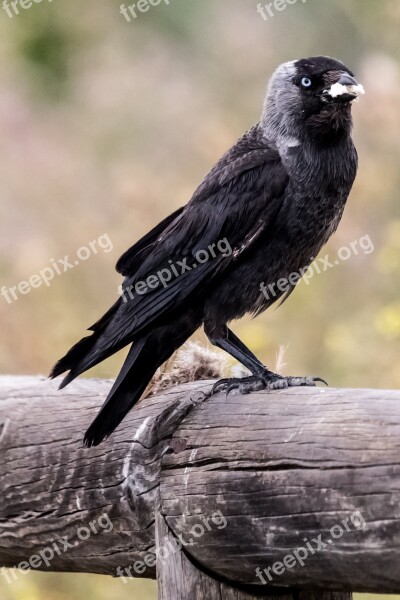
[91, 350]
[146, 355]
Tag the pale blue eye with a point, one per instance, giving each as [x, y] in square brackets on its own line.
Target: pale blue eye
[306, 82]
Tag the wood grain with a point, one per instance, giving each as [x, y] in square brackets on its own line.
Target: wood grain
[179, 579]
[278, 468]
[51, 486]
[285, 468]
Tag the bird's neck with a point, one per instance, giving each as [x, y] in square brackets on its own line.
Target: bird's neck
[329, 166]
[285, 128]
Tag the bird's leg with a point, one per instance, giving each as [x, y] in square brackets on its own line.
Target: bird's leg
[262, 378]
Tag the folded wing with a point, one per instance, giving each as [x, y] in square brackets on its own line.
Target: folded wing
[236, 203]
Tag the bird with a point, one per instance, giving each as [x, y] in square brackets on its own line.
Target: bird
[262, 214]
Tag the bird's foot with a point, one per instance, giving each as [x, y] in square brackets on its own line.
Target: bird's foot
[267, 381]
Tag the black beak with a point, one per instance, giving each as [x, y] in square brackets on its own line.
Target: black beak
[346, 79]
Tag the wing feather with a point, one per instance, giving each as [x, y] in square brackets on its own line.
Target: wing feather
[237, 201]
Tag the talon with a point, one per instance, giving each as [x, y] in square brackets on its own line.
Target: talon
[231, 387]
[245, 385]
[269, 381]
[304, 382]
[219, 386]
[319, 380]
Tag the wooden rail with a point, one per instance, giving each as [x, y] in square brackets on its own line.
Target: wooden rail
[266, 493]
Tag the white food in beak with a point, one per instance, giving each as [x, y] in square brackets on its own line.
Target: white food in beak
[338, 89]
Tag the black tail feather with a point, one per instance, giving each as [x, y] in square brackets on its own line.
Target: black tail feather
[73, 356]
[85, 355]
[146, 355]
[88, 361]
[126, 391]
[82, 357]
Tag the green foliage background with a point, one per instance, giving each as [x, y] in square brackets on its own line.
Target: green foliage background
[108, 126]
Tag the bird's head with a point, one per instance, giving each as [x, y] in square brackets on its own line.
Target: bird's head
[310, 97]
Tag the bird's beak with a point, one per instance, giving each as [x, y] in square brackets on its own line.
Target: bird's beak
[345, 89]
[346, 79]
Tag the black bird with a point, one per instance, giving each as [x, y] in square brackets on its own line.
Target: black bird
[276, 198]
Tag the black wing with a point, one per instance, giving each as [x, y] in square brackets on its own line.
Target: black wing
[237, 201]
[131, 259]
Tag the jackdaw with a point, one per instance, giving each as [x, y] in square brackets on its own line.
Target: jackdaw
[275, 198]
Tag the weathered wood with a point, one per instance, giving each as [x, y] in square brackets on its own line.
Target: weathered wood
[179, 579]
[51, 486]
[284, 469]
[277, 467]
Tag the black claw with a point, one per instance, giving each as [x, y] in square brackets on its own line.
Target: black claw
[254, 383]
[231, 387]
[219, 386]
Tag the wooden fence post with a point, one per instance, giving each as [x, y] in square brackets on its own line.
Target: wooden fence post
[179, 579]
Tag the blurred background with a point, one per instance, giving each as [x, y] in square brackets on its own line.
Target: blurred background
[107, 126]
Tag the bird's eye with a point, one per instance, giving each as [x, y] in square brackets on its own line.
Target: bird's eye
[306, 82]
